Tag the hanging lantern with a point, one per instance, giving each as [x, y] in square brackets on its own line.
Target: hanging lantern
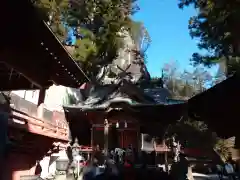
[125, 124]
[117, 125]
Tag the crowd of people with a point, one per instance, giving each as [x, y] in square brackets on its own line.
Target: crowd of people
[229, 169]
[120, 164]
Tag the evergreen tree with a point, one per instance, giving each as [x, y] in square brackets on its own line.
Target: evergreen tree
[96, 25]
[54, 13]
[217, 26]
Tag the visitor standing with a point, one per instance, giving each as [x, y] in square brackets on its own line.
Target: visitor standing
[179, 170]
[219, 171]
[229, 170]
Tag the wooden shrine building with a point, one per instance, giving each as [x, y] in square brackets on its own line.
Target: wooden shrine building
[117, 117]
[31, 57]
[218, 107]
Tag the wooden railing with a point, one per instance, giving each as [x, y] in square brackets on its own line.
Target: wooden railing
[30, 108]
[161, 148]
[26, 122]
[23, 105]
[25, 115]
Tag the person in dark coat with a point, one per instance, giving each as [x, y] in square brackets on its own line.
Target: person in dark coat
[38, 169]
[179, 170]
[111, 170]
[90, 172]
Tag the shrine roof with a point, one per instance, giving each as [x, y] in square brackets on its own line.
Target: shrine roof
[129, 98]
[13, 80]
[219, 107]
[32, 51]
[102, 97]
[146, 114]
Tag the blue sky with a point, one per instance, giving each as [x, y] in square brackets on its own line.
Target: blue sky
[168, 28]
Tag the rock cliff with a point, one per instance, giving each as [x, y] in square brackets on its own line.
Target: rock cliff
[129, 67]
[128, 64]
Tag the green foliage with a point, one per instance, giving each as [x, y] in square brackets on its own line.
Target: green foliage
[217, 26]
[103, 20]
[192, 134]
[96, 26]
[54, 12]
[184, 85]
[195, 134]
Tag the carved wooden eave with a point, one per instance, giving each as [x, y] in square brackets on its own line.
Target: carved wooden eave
[36, 59]
[144, 113]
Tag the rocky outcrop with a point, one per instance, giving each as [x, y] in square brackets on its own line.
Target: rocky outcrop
[125, 71]
[128, 64]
